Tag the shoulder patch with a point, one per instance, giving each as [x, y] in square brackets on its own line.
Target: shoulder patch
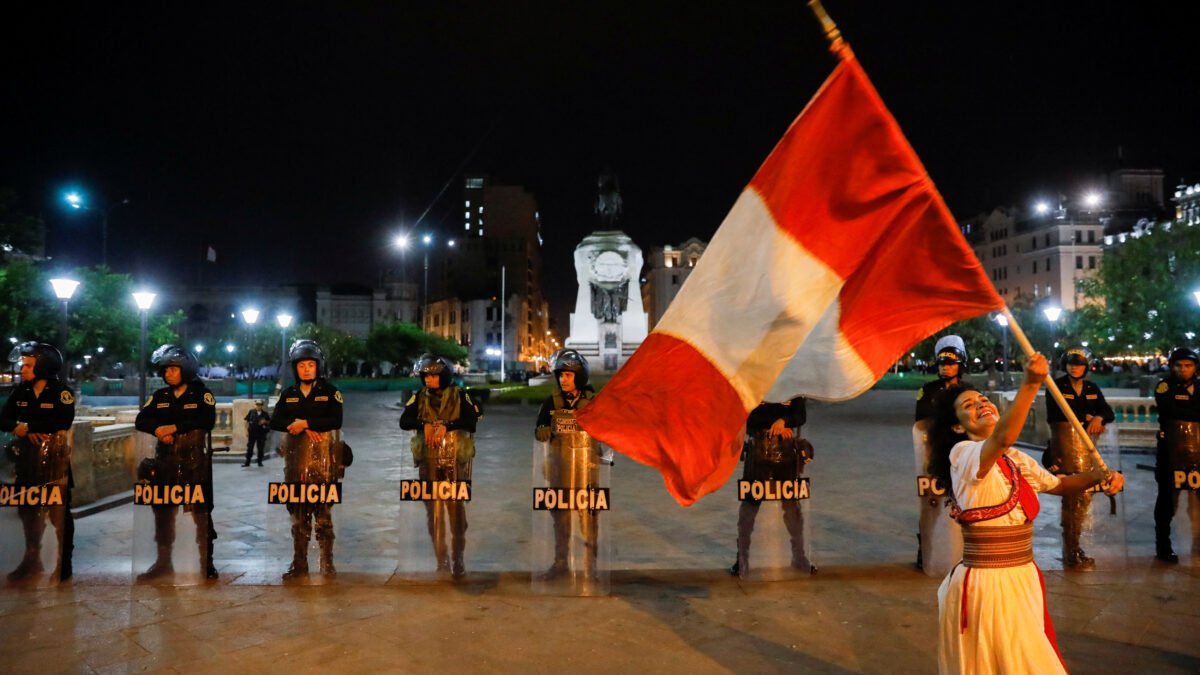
[148, 401]
[337, 396]
[1162, 388]
[412, 400]
[208, 398]
[920, 393]
[66, 397]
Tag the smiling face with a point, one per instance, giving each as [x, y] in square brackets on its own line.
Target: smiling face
[976, 415]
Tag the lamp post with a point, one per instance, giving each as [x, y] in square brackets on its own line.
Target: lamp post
[63, 290]
[1003, 321]
[1052, 314]
[143, 299]
[284, 320]
[250, 316]
[76, 201]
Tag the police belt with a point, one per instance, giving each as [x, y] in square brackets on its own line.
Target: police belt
[994, 547]
[1183, 444]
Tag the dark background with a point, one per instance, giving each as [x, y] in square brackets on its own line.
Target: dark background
[298, 138]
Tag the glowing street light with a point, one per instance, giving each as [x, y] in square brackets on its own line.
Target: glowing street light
[1042, 208]
[199, 348]
[250, 316]
[1052, 313]
[1003, 321]
[402, 242]
[1091, 200]
[143, 300]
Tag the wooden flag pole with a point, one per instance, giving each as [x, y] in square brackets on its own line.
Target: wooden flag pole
[1052, 387]
[831, 30]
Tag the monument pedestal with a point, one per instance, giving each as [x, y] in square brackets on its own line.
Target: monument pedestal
[608, 323]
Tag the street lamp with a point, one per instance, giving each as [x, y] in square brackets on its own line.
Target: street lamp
[1003, 321]
[143, 300]
[63, 289]
[1052, 314]
[250, 316]
[284, 320]
[76, 201]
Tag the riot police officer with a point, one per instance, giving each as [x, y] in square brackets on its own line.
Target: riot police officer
[566, 464]
[950, 356]
[39, 413]
[774, 451]
[181, 416]
[1068, 453]
[310, 411]
[1178, 403]
[444, 419]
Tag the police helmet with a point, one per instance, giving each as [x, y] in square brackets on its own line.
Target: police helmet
[1183, 354]
[950, 350]
[174, 355]
[430, 364]
[47, 361]
[573, 361]
[1076, 356]
[306, 350]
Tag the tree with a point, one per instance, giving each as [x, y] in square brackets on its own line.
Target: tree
[103, 315]
[402, 343]
[1146, 285]
[27, 311]
[19, 231]
[341, 349]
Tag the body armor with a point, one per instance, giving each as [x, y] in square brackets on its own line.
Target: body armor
[42, 463]
[308, 461]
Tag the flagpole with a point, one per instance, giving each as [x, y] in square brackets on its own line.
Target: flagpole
[831, 30]
[1052, 387]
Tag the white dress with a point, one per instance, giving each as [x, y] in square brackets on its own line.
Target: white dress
[1005, 631]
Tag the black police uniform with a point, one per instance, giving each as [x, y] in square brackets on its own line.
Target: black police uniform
[193, 413]
[50, 412]
[322, 410]
[926, 396]
[1068, 454]
[452, 407]
[258, 426]
[773, 458]
[560, 472]
[1178, 405]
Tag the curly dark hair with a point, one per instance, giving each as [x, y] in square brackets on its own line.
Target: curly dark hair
[942, 436]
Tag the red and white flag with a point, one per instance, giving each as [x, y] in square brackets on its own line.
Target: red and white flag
[838, 257]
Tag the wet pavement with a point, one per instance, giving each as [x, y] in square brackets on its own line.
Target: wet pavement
[672, 605]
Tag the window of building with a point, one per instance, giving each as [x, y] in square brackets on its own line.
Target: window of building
[468, 202]
[1047, 238]
[1078, 262]
[489, 318]
[1035, 267]
[1078, 236]
[1033, 244]
[453, 317]
[668, 262]
[1035, 290]
[1091, 236]
[674, 279]
[466, 314]
[474, 182]
[1047, 264]
[1091, 262]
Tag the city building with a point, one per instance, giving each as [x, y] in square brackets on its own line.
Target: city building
[1187, 204]
[666, 269]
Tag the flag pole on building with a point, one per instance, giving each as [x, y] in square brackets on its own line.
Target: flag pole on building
[1052, 387]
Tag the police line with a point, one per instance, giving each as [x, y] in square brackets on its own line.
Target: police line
[33, 495]
[772, 490]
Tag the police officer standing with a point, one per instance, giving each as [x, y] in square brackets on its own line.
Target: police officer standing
[258, 425]
[1068, 452]
[39, 413]
[774, 452]
[1178, 403]
[573, 458]
[444, 418]
[951, 358]
[310, 411]
[181, 416]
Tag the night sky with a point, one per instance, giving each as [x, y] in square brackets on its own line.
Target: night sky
[297, 139]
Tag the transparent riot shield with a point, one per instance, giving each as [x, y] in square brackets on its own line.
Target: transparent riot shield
[570, 553]
[1082, 532]
[940, 535]
[774, 538]
[435, 491]
[1183, 476]
[304, 516]
[172, 497]
[33, 507]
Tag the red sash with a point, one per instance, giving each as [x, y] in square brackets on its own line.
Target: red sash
[1021, 492]
[1026, 495]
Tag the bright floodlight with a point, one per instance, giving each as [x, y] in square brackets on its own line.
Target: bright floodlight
[250, 315]
[1002, 320]
[401, 241]
[1091, 199]
[74, 200]
[1042, 208]
[199, 348]
[284, 320]
[1052, 313]
[450, 243]
[229, 348]
[64, 288]
[143, 299]
[427, 238]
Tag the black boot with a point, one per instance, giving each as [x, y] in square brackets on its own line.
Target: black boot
[1164, 552]
[162, 566]
[31, 566]
[327, 567]
[299, 567]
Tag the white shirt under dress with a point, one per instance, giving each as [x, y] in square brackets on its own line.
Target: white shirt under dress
[1005, 610]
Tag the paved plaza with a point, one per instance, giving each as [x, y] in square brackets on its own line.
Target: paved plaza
[672, 606]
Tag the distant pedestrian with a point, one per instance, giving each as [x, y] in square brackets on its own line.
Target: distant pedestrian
[258, 425]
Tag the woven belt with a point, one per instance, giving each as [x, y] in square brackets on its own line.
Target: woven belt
[1008, 546]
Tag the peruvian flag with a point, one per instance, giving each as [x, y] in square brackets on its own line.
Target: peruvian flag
[838, 257]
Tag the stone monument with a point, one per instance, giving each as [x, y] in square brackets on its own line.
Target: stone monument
[608, 323]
